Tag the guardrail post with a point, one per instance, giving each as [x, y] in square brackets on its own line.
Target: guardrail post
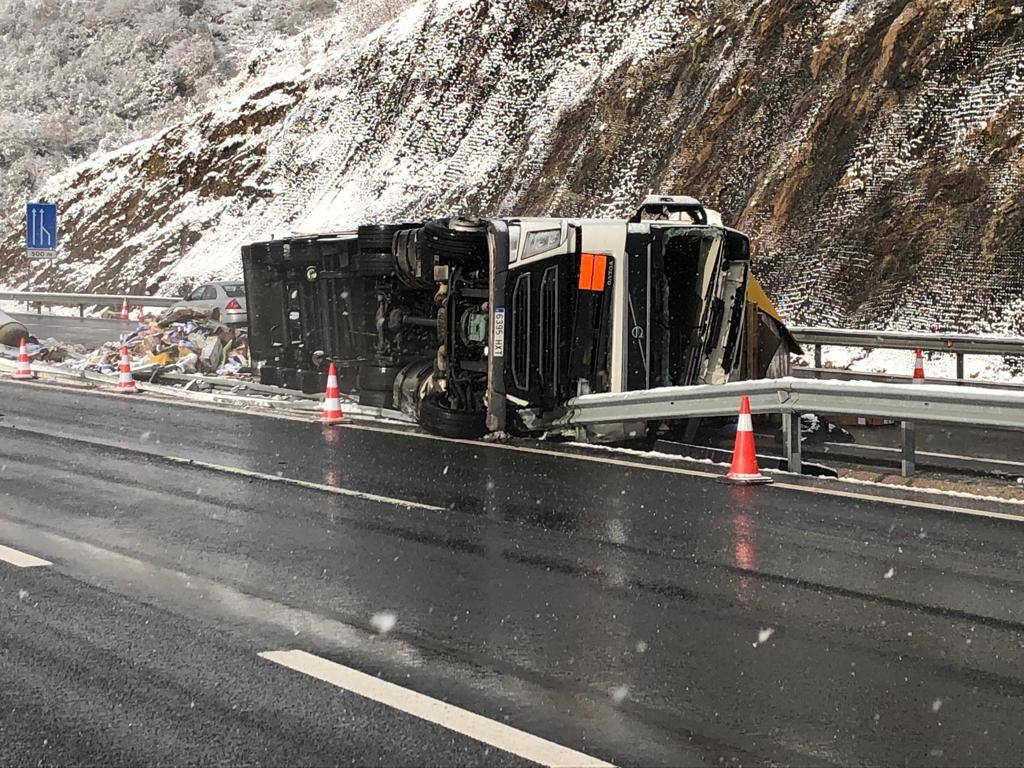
[959, 366]
[81, 311]
[817, 359]
[791, 441]
[908, 433]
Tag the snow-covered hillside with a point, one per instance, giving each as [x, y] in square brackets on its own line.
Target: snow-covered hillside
[873, 148]
[82, 75]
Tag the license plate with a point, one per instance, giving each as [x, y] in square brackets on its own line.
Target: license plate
[498, 348]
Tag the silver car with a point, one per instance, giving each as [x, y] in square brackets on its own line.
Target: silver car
[226, 299]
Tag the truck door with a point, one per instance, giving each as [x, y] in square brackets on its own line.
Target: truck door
[684, 317]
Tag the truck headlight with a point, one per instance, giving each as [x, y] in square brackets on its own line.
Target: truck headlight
[541, 241]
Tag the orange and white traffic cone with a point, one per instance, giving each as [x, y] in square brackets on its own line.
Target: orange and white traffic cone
[124, 309]
[743, 470]
[331, 411]
[918, 367]
[24, 370]
[125, 382]
[140, 317]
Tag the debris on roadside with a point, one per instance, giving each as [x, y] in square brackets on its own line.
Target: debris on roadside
[48, 350]
[184, 340]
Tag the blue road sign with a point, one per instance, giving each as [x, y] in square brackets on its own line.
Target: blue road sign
[41, 227]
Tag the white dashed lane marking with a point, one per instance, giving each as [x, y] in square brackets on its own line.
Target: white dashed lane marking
[482, 729]
[21, 559]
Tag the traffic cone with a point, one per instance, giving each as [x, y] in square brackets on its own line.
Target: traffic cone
[125, 382]
[743, 470]
[918, 367]
[331, 411]
[24, 370]
[124, 309]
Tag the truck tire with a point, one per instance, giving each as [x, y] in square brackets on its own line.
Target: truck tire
[376, 398]
[374, 264]
[438, 419]
[455, 241]
[377, 238]
[348, 376]
[376, 377]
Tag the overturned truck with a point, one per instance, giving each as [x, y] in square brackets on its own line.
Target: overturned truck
[490, 325]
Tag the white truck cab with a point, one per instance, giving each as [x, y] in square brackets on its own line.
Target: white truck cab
[611, 305]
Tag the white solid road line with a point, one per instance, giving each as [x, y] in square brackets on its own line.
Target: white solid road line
[927, 505]
[21, 559]
[453, 718]
[483, 445]
[247, 473]
[299, 483]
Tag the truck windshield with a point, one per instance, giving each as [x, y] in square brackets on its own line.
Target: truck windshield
[682, 296]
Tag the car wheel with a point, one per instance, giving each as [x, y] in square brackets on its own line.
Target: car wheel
[438, 418]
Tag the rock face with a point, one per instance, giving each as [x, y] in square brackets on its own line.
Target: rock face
[872, 148]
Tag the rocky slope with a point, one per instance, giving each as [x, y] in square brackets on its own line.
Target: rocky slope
[77, 76]
[873, 148]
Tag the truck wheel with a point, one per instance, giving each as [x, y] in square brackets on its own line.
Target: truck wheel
[377, 238]
[438, 418]
[376, 398]
[375, 377]
[348, 376]
[454, 241]
[372, 264]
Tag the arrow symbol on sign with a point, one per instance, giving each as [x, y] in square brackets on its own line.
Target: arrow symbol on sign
[35, 236]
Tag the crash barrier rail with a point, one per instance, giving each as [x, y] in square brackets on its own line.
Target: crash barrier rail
[960, 345]
[891, 378]
[83, 300]
[791, 397]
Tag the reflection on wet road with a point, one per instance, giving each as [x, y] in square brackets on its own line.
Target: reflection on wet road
[635, 615]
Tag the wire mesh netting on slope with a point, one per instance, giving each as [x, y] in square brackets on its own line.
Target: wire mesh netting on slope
[872, 149]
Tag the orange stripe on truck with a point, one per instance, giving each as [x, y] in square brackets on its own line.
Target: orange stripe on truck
[592, 271]
[586, 270]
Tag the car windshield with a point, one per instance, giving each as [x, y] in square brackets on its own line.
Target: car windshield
[235, 290]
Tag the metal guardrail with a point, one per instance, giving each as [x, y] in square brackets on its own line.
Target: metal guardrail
[83, 300]
[892, 378]
[790, 397]
[953, 343]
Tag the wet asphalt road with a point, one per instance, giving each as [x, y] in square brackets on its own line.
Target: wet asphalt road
[92, 332]
[638, 614]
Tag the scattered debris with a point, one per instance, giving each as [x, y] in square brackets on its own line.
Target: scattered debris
[185, 340]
